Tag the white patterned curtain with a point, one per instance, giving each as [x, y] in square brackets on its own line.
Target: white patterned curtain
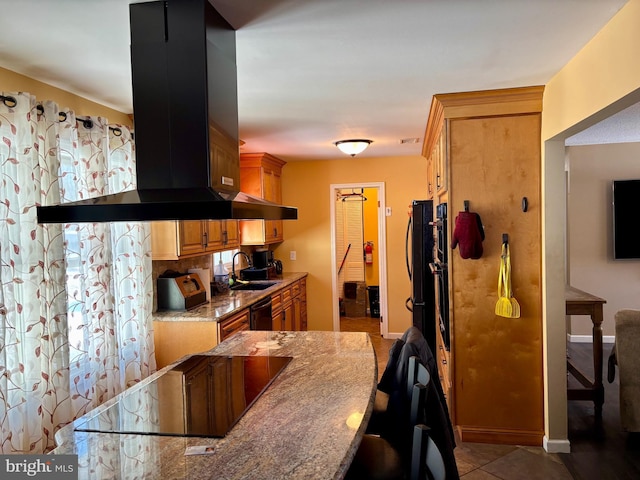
[111, 348]
[63, 353]
[34, 356]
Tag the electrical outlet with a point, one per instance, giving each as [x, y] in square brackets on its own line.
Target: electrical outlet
[292, 255]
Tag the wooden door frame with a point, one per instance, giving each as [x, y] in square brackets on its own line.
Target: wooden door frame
[382, 253]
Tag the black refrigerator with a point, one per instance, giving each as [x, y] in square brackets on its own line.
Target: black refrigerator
[419, 254]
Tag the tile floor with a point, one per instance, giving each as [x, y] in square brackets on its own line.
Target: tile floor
[478, 461]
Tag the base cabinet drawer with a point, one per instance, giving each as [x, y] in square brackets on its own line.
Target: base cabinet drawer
[234, 324]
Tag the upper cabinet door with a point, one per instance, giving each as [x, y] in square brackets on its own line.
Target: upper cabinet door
[175, 239]
[191, 235]
[260, 176]
[440, 160]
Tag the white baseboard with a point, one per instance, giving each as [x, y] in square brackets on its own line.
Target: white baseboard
[589, 338]
[556, 446]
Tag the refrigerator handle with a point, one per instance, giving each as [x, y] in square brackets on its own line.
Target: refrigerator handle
[406, 250]
[409, 304]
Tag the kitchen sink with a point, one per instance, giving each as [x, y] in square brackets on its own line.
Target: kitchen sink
[252, 286]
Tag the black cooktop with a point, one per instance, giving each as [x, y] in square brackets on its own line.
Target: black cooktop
[202, 396]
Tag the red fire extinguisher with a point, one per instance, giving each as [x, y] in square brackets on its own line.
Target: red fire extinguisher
[368, 253]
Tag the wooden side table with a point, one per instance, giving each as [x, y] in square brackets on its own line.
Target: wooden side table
[579, 302]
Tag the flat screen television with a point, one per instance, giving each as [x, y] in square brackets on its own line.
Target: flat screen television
[626, 207]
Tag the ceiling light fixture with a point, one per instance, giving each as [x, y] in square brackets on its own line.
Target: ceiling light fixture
[353, 146]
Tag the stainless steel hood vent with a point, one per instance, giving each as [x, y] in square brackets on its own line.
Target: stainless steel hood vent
[185, 105]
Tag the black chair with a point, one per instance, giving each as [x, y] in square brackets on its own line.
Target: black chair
[377, 457]
[426, 460]
[378, 418]
[393, 380]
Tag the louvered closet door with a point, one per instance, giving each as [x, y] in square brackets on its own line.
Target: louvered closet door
[349, 230]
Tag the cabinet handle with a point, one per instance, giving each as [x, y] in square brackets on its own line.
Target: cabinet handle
[438, 181]
[205, 239]
[444, 361]
[225, 237]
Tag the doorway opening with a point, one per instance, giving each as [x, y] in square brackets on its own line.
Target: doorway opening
[359, 270]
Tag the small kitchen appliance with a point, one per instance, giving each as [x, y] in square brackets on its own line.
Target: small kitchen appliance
[180, 292]
[277, 264]
[260, 258]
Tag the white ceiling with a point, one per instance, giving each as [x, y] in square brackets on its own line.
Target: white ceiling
[315, 71]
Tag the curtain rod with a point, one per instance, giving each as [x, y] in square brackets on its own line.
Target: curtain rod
[86, 122]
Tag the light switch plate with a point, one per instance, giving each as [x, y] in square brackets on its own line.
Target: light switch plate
[292, 255]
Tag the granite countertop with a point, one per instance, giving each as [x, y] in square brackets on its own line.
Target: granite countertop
[307, 424]
[225, 304]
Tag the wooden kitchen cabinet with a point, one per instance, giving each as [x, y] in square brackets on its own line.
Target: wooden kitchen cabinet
[440, 161]
[289, 307]
[186, 395]
[174, 340]
[230, 234]
[282, 310]
[299, 300]
[233, 324]
[303, 304]
[484, 147]
[260, 176]
[172, 240]
[434, 149]
[189, 389]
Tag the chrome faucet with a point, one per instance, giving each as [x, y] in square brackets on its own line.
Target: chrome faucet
[233, 264]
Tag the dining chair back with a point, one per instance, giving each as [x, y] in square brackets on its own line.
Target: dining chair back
[426, 460]
[378, 459]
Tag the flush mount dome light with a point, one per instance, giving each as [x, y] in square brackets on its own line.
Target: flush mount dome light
[353, 147]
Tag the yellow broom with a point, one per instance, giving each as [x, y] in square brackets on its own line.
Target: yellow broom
[503, 305]
[515, 306]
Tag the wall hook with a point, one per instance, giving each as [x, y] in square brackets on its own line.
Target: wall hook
[466, 205]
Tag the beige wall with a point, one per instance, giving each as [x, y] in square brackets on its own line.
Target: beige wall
[590, 254]
[14, 82]
[306, 185]
[601, 79]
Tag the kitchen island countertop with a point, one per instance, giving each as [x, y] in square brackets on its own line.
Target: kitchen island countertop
[307, 424]
[223, 305]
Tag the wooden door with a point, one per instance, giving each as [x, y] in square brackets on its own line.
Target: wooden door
[288, 316]
[272, 191]
[297, 314]
[197, 399]
[191, 235]
[231, 234]
[213, 237]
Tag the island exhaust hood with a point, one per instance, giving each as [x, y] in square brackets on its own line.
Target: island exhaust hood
[185, 104]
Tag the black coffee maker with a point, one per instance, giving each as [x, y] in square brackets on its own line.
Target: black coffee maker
[261, 258]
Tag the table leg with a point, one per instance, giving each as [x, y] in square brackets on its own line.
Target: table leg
[598, 387]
